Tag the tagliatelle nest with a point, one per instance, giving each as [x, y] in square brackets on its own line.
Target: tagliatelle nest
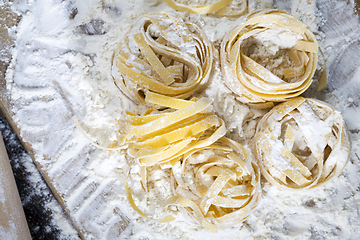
[163, 137]
[270, 57]
[302, 143]
[189, 140]
[218, 186]
[163, 54]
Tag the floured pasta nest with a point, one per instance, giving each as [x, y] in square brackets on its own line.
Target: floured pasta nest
[162, 137]
[302, 143]
[270, 57]
[229, 8]
[218, 186]
[215, 179]
[165, 55]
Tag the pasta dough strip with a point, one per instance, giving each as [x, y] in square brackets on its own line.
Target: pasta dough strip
[181, 133]
[153, 59]
[220, 132]
[228, 202]
[166, 101]
[161, 154]
[236, 191]
[199, 10]
[153, 85]
[306, 46]
[289, 137]
[215, 189]
[280, 19]
[260, 71]
[171, 118]
[140, 120]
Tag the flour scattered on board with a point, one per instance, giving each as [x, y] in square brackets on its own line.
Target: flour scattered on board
[68, 45]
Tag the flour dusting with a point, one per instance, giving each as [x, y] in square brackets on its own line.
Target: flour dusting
[61, 67]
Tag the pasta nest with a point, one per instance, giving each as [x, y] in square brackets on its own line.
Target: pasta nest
[302, 143]
[162, 137]
[270, 57]
[217, 186]
[163, 54]
[215, 179]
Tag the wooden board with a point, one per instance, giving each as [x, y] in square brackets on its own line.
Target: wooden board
[34, 193]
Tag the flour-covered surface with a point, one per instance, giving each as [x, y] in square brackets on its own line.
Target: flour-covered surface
[45, 217]
[61, 67]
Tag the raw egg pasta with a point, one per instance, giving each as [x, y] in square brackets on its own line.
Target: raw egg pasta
[163, 54]
[302, 143]
[221, 8]
[214, 180]
[218, 185]
[162, 137]
[190, 137]
[269, 57]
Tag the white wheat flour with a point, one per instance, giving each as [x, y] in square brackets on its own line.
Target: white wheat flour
[62, 67]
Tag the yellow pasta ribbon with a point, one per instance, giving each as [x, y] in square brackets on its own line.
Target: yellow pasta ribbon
[220, 8]
[170, 119]
[153, 59]
[215, 189]
[166, 101]
[181, 133]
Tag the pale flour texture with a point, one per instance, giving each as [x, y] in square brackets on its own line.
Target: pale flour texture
[61, 68]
